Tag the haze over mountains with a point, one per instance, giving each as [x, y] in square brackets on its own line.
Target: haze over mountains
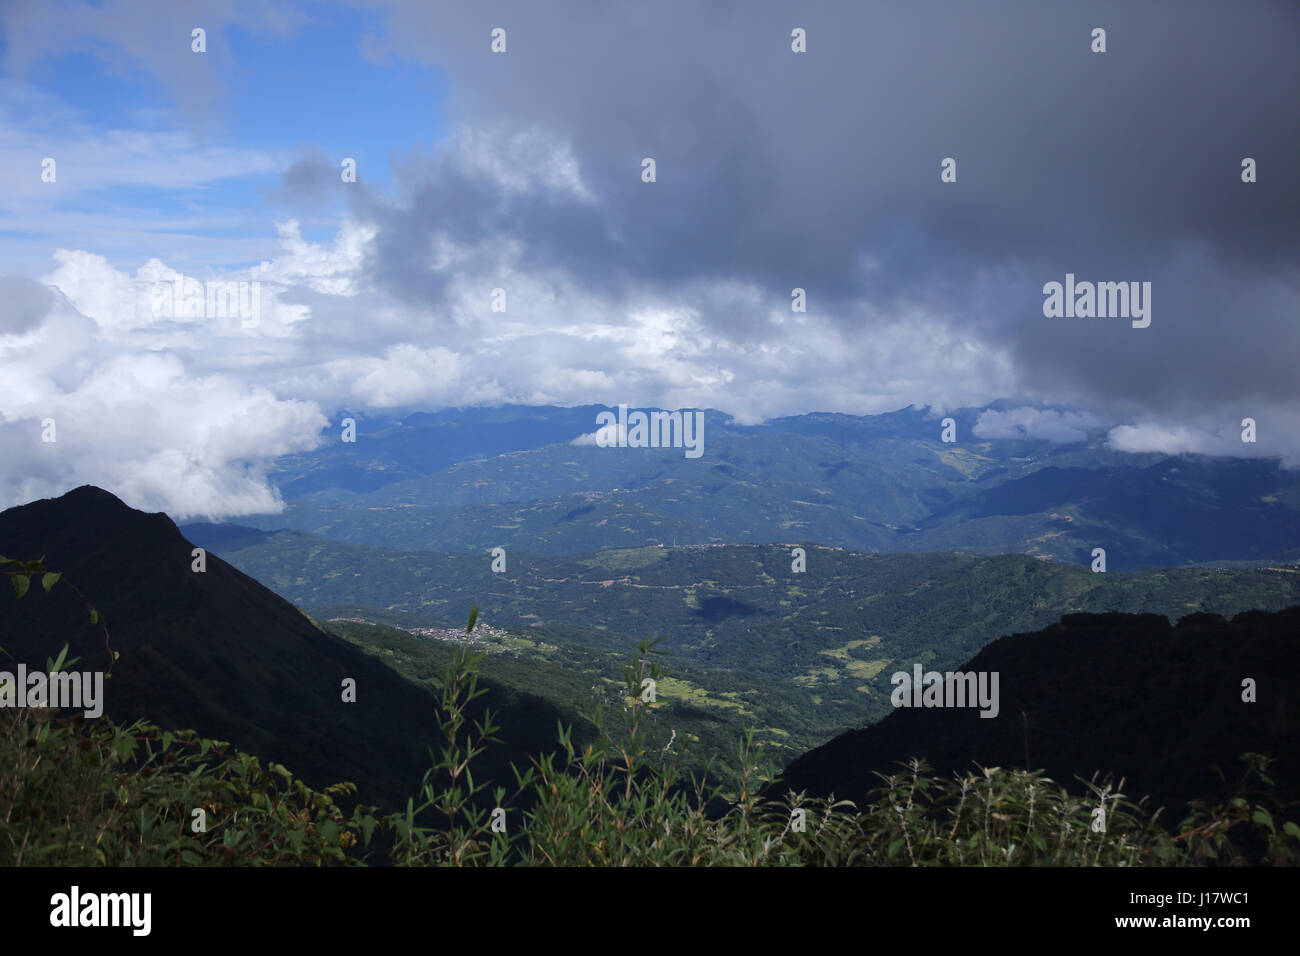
[475, 479]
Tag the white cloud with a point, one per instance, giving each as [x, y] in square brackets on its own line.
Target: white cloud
[607, 436]
[330, 269]
[520, 161]
[35, 125]
[184, 412]
[220, 400]
[138, 422]
[1217, 434]
[1166, 439]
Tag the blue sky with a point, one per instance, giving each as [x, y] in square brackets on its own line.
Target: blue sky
[310, 89]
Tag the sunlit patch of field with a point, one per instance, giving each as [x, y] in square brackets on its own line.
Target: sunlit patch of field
[673, 688]
[845, 653]
[627, 559]
[816, 676]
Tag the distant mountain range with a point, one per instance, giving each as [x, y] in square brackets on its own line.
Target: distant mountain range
[474, 479]
[1159, 705]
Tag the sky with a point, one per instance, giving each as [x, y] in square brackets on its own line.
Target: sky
[500, 242]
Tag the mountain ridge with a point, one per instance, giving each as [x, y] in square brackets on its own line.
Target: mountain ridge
[219, 653]
[1159, 704]
[870, 483]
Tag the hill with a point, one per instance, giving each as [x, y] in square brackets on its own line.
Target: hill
[1159, 704]
[801, 655]
[218, 653]
[475, 479]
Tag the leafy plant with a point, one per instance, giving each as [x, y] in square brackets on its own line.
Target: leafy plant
[21, 573]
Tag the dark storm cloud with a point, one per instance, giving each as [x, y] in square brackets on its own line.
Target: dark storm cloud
[469, 205]
[821, 170]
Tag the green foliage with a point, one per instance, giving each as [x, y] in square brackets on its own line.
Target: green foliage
[80, 793]
[462, 834]
[92, 793]
[745, 629]
[20, 575]
[89, 793]
[617, 803]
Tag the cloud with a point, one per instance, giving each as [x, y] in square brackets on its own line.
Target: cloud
[1052, 425]
[89, 159]
[775, 171]
[1170, 440]
[1220, 434]
[26, 304]
[153, 36]
[115, 192]
[135, 420]
[610, 436]
[778, 170]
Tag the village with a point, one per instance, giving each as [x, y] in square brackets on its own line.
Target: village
[483, 635]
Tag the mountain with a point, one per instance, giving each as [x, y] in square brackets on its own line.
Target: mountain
[422, 443]
[219, 653]
[1156, 703]
[802, 655]
[476, 479]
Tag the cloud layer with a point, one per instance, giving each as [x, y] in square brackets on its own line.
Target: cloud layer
[523, 258]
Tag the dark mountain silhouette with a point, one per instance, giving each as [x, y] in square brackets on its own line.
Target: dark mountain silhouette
[219, 653]
[1128, 693]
